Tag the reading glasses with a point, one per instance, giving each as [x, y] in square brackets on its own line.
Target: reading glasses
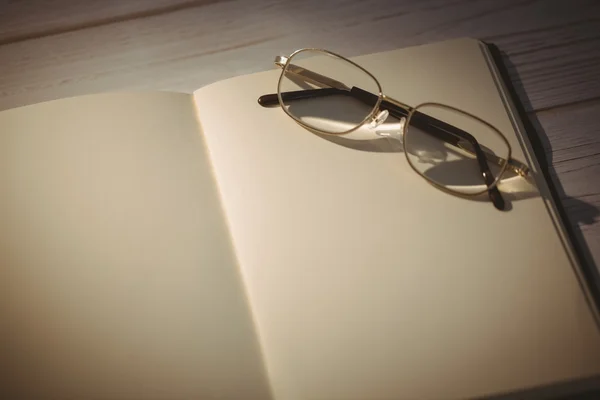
[452, 149]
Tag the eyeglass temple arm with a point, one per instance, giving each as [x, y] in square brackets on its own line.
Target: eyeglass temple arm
[309, 76]
[271, 100]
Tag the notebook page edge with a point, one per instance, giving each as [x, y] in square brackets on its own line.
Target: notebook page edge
[589, 283]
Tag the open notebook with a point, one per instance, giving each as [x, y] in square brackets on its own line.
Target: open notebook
[175, 246]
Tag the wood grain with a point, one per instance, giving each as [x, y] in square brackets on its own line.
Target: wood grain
[554, 66]
[30, 19]
[186, 49]
[572, 144]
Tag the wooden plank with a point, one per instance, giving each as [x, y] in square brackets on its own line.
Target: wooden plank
[554, 66]
[184, 50]
[572, 142]
[573, 145]
[29, 19]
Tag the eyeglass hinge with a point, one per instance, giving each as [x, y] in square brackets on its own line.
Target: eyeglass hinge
[280, 61]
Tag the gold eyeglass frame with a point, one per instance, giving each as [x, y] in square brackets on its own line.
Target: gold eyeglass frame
[285, 63]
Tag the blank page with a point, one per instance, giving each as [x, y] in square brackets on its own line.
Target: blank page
[117, 277]
[366, 282]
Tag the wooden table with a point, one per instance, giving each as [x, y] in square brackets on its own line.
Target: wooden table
[56, 48]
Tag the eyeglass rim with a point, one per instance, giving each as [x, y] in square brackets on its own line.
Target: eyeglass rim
[380, 97]
[369, 116]
[498, 176]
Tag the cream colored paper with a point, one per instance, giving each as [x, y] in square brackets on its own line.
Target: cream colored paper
[368, 283]
[117, 277]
